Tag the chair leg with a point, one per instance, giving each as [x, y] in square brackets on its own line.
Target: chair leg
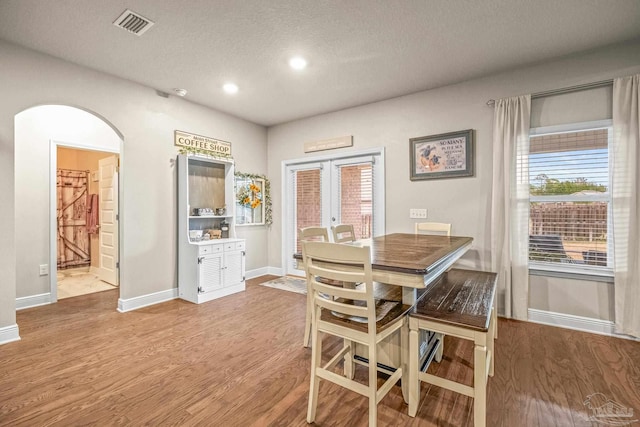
[316, 359]
[480, 386]
[404, 357]
[412, 377]
[440, 350]
[349, 364]
[307, 321]
[373, 385]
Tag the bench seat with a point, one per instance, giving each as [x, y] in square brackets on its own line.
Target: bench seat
[461, 304]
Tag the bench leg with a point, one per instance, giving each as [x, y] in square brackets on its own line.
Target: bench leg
[414, 381]
[480, 386]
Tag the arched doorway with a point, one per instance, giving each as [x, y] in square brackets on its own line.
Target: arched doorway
[39, 132]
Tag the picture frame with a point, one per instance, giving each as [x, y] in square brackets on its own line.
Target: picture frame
[447, 155]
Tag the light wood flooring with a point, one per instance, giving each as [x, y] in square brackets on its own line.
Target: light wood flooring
[239, 361]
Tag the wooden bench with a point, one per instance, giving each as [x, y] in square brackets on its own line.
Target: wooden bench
[460, 304]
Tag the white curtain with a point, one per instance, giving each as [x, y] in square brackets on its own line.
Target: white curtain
[626, 203]
[510, 203]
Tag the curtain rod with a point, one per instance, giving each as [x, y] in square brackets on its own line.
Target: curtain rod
[569, 89]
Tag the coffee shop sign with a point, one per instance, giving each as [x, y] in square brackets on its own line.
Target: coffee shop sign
[202, 144]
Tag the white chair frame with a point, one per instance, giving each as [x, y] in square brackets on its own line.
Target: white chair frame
[322, 260]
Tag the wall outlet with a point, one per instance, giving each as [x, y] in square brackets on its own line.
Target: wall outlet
[44, 269]
[417, 213]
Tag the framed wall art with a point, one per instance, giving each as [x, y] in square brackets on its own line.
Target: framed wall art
[448, 155]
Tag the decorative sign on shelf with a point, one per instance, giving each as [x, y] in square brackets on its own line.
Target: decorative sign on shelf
[192, 143]
[328, 144]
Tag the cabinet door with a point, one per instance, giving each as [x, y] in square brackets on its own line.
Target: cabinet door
[209, 272]
[233, 268]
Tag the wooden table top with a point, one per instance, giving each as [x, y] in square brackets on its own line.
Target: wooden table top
[410, 253]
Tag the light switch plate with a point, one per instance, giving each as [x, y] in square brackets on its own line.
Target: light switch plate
[44, 269]
[417, 213]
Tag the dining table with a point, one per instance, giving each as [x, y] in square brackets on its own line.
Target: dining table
[412, 262]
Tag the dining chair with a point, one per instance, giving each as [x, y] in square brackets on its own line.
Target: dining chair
[343, 233]
[308, 234]
[350, 314]
[433, 228]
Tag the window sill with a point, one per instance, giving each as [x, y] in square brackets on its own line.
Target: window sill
[567, 271]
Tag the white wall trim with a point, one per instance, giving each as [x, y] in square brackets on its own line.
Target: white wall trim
[578, 323]
[9, 334]
[33, 301]
[257, 272]
[275, 271]
[135, 303]
[263, 271]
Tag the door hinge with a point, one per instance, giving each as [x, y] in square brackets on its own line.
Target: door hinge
[200, 258]
[117, 265]
[244, 253]
[200, 290]
[117, 217]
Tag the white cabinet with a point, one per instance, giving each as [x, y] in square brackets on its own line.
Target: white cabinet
[207, 269]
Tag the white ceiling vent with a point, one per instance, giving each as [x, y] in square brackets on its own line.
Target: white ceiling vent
[133, 22]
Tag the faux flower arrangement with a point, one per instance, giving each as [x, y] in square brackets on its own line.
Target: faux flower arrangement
[250, 196]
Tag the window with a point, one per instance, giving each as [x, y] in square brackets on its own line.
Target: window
[569, 180]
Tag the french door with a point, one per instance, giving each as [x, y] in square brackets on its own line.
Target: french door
[329, 191]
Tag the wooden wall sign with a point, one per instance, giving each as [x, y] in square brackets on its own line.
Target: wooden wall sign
[202, 144]
[328, 144]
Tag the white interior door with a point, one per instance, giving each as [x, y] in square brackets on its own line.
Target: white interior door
[108, 219]
[332, 191]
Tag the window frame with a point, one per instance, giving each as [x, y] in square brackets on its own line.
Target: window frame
[578, 271]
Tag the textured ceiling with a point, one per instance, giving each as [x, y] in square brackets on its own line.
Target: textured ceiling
[359, 51]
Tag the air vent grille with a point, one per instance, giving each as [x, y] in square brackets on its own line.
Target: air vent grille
[133, 22]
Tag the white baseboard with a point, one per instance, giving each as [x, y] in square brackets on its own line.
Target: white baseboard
[33, 301]
[9, 334]
[578, 323]
[135, 303]
[257, 272]
[275, 271]
[263, 271]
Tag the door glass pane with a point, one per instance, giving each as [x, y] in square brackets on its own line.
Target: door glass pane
[356, 198]
[308, 201]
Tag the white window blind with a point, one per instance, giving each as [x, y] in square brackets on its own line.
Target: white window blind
[569, 181]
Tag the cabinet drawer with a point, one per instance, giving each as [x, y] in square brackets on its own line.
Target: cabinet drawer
[209, 249]
[234, 246]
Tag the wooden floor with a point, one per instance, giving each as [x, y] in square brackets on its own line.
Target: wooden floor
[238, 361]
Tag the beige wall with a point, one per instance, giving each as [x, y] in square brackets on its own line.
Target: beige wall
[84, 160]
[465, 202]
[146, 122]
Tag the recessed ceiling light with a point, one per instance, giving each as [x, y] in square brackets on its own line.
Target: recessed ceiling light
[298, 63]
[180, 92]
[230, 88]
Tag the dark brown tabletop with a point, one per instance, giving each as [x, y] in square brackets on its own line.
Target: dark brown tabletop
[410, 253]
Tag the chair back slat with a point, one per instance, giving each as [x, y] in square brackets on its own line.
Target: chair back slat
[338, 273]
[313, 233]
[343, 308]
[343, 233]
[433, 228]
[340, 292]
